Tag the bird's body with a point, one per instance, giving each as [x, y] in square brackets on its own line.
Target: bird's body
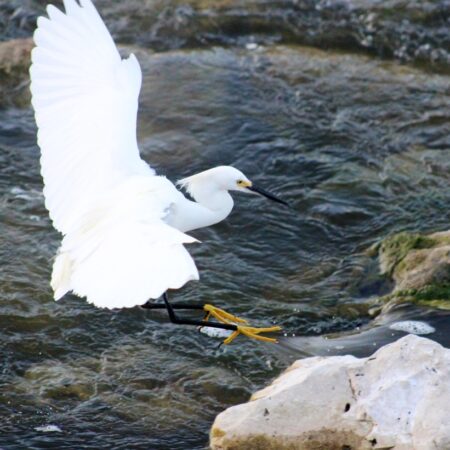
[124, 227]
[144, 217]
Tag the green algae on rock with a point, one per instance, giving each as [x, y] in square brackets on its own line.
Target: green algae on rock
[395, 248]
[420, 267]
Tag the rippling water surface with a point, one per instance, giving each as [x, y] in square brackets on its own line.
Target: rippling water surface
[360, 147]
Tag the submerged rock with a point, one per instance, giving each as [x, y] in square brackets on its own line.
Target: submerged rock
[120, 380]
[396, 399]
[14, 63]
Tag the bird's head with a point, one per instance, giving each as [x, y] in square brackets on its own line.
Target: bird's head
[225, 178]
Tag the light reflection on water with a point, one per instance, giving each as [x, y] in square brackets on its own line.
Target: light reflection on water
[358, 147]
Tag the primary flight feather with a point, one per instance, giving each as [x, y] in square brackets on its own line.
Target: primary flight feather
[123, 226]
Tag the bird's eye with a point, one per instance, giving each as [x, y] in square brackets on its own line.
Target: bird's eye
[239, 182]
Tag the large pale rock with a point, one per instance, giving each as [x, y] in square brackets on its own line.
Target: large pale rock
[396, 399]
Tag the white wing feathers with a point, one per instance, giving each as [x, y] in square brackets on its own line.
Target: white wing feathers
[86, 101]
[117, 249]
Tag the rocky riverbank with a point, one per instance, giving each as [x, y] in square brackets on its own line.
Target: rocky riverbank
[403, 30]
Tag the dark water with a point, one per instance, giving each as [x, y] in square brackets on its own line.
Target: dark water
[358, 145]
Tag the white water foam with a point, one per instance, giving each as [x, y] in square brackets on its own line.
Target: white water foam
[412, 327]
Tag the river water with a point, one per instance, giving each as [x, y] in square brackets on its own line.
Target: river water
[358, 145]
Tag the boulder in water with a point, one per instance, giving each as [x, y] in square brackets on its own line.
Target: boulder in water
[397, 398]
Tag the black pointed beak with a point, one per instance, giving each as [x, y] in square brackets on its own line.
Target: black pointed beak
[266, 194]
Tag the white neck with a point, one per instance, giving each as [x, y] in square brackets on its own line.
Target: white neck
[210, 207]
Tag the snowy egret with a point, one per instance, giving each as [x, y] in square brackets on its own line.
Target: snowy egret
[123, 226]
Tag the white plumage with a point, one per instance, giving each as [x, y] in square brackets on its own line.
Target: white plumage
[86, 101]
[123, 226]
[117, 250]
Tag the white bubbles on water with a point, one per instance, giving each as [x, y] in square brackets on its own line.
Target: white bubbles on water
[412, 327]
[49, 429]
[251, 46]
[215, 332]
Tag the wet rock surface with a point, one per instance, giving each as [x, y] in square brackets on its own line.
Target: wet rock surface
[394, 399]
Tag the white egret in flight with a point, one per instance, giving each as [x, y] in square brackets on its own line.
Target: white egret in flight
[124, 228]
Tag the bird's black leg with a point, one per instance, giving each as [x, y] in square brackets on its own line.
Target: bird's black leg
[226, 320]
[180, 321]
[151, 305]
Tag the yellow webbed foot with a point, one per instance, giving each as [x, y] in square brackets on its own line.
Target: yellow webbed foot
[230, 319]
[221, 315]
[253, 333]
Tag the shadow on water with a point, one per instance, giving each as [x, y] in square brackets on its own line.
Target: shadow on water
[359, 147]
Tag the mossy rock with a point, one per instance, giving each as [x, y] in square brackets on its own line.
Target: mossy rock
[430, 293]
[438, 304]
[434, 296]
[395, 248]
[420, 267]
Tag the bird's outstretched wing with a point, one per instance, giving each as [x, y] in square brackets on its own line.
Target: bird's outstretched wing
[85, 99]
[117, 249]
